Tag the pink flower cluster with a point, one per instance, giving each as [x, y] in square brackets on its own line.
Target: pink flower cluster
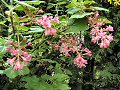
[20, 55]
[99, 34]
[46, 21]
[73, 45]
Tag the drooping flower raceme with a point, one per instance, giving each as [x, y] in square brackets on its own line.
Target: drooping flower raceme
[20, 55]
[73, 44]
[99, 34]
[46, 21]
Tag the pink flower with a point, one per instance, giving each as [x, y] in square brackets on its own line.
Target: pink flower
[80, 61]
[11, 61]
[8, 48]
[10, 42]
[99, 24]
[80, 46]
[28, 58]
[18, 65]
[23, 24]
[25, 54]
[56, 20]
[110, 28]
[94, 31]
[96, 15]
[14, 51]
[91, 20]
[29, 44]
[40, 11]
[110, 37]
[101, 33]
[57, 47]
[21, 57]
[95, 39]
[47, 32]
[67, 54]
[88, 52]
[24, 39]
[104, 44]
[46, 22]
[53, 31]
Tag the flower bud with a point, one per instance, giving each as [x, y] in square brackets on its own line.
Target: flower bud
[10, 42]
[29, 44]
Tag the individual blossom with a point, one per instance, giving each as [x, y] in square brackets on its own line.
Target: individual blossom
[18, 65]
[40, 11]
[50, 31]
[88, 52]
[80, 62]
[23, 24]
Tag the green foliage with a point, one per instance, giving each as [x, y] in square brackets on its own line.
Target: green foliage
[56, 81]
[49, 69]
[2, 46]
[78, 25]
[12, 74]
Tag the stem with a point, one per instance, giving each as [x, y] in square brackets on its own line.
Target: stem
[18, 46]
[11, 18]
[57, 9]
[11, 15]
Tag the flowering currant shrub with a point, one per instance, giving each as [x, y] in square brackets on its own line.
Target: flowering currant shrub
[71, 44]
[99, 34]
[48, 46]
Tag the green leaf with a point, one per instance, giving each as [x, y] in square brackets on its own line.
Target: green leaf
[79, 25]
[89, 2]
[2, 47]
[104, 18]
[118, 55]
[101, 9]
[22, 5]
[24, 71]
[60, 86]
[70, 5]
[39, 29]
[68, 72]
[33, 83]
[22, 28]
[74, 10]
[12, 74]
[81, 15]
[60, 3]
[1, 71]
[2, 22]
[24, 20]
[19, 7]
[35, 2]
